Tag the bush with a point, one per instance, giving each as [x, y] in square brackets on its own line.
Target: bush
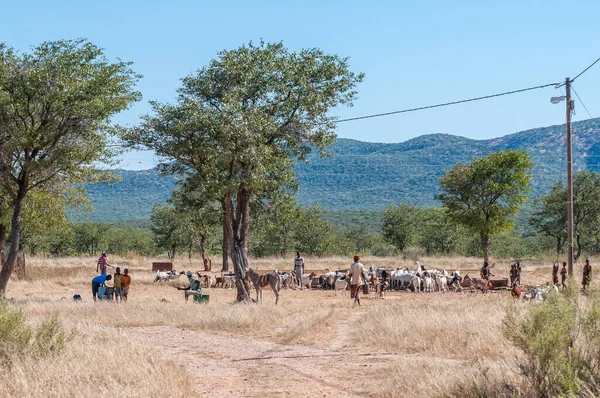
[17, 339]
[560, 341]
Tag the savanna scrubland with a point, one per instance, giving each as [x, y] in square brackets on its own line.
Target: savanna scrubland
[312, 344]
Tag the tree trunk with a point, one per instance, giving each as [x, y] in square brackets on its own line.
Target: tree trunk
[15, 235]
[239, 228]
[227, 231]
[578, 254]
[558, 245]
[3, 229]
[485, 245]
[207, 262]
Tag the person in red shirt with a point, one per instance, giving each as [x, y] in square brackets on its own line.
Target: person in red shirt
[102, 264]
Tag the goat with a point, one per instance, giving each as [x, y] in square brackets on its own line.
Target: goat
[428, 284]
[162, 276]
[515, 291]
[416, 283]
[307, 279]
[381, 288]
[341, 283]
[261, 281]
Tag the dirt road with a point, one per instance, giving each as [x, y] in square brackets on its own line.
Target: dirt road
[226, 366]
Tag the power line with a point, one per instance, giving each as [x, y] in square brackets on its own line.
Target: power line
[585, 70]
[580, 73]
[446, 103]
[580, 100]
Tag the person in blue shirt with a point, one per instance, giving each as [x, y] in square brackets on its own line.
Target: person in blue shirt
[99, 281]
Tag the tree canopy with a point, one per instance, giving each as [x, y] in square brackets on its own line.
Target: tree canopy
[56, 103]
[483, 194]
[239, 122]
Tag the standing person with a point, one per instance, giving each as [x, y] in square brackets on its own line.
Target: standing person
[357, 278]
[519, 273]
[125, 282]
[299, 269]
[555, 273]
[98, 281]
[486, 273]
[563, 274]
[514, 274]
[102, 264]
[117, 284]
[587, 274]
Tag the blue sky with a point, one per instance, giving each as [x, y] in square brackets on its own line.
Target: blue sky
[413, 53]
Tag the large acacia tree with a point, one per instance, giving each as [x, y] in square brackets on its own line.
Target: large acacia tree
[239, 122]
[483, 194]
[55, 107]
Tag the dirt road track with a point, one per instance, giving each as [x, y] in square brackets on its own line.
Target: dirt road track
[231, 366]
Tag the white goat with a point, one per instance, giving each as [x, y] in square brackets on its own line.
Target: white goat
[416, 282]
[162, 276]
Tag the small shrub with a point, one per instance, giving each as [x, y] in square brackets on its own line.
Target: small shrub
[17, 339]
[50, 338]
[15, 335]
[546, 334]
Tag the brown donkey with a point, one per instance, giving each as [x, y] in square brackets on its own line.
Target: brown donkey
[261, 281]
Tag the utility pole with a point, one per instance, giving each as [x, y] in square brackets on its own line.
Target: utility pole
[569, 178]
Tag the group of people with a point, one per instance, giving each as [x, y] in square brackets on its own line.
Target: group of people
[585, 281]
[121, 282]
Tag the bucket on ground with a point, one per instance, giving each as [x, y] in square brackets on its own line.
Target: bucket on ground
[201, 298]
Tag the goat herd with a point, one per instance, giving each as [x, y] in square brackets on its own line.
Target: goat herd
[378, 280]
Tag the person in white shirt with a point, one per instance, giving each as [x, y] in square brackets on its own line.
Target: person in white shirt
[299, 269]
[357, 279]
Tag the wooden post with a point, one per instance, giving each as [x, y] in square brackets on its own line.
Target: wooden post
[570, 231]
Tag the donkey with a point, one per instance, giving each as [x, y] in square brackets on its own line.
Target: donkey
[261, 281]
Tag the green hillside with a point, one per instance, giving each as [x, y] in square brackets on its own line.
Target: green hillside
[369, 176]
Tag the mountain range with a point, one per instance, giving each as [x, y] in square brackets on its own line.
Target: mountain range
[370, 176]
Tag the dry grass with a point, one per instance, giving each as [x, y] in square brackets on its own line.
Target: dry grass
[453, 338]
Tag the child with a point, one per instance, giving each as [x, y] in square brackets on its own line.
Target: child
[117, 284]
[563, 274]
[125, 282]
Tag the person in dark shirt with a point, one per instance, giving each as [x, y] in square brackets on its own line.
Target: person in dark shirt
[587, 274]
[563, 274]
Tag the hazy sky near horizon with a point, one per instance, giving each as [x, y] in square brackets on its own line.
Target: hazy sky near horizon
[413, 53]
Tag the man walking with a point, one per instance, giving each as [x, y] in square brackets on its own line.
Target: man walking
[357, 278]
[587, 274]
[299, 269]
